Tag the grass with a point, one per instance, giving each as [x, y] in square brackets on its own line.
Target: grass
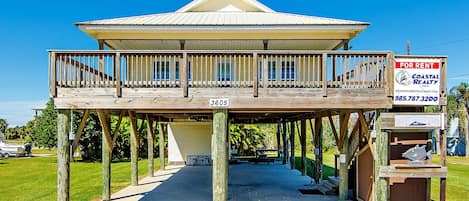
[328, 163]
[35, 178]
[44, 151]
[457, 188]
[457, 180]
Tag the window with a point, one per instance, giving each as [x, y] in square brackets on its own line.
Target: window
[162, 70]
[225, 71]
[165, 71]
[272, 71]
[288, 71]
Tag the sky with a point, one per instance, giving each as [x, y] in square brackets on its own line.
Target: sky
[29, 28]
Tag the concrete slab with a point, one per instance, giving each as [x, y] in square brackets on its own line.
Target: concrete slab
[133, 193]
[269, 182]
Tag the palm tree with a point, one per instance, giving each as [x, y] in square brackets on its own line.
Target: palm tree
[461, 94]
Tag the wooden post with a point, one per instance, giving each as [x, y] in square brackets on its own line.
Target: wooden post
[278, 141]
[265, 72]
[443, 148]
[303, 147]
[220, 155]
[318, 146]
[63, 155]
[324, 74]
[381, 159]
[442, 189]
[106, 155]
[133, 150]
[343, 166]
[255, 76]
[151, 146]
[101, 63]
[292, 145]
[443, 145]
[285, 143]
[53, 76]
[117, 61]
[184, 75]
[161, 144]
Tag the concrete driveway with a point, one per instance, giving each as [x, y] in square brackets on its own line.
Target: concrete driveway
[273, 182]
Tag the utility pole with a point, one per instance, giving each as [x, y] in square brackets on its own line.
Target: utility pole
[408, 47]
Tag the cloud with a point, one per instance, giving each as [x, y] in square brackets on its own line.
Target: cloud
[18, 113]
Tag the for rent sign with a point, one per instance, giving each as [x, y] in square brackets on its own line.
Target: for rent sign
[417, 81]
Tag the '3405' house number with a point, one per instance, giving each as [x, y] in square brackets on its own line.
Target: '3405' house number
[219, 102]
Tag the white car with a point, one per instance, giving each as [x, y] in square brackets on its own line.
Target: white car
[4, 154]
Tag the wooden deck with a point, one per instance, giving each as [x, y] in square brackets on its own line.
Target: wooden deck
[191, 80]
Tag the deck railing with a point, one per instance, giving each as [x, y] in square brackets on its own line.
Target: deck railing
[219, 69]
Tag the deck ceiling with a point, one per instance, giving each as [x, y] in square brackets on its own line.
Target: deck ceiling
[223, 44]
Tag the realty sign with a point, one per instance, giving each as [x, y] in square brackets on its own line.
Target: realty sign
[417, 81]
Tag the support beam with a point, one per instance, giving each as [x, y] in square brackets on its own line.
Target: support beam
[220, 155]
[63, 155]
[343, 166]
[303, 147]
[443, 147]
[106, 154]
[116, 130]
[442, 189]
[278, 141]
[381, 159]
[80, 131]
[133, 150]
[151, 146]
[161, 144]
[285, 143]
[318, 146]
[292, 145]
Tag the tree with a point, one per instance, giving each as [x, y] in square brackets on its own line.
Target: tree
[3, 126]
[461, 99]
[246, 138]
[45, 131]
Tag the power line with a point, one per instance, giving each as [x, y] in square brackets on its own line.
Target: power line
[437, 45]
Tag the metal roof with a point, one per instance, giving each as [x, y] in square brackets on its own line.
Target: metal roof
[222, 19]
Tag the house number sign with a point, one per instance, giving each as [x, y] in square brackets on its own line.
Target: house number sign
[219, 102]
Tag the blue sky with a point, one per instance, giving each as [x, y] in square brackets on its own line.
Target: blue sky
[29, 28]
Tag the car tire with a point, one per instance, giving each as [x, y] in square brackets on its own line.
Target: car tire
[6, 155]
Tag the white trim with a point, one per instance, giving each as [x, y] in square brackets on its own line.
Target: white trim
[224, 27]
[188, 7]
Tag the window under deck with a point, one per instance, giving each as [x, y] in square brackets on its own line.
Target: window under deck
[237, 80]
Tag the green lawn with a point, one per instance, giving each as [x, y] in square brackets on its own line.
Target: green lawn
[35, 178]
[457, 188]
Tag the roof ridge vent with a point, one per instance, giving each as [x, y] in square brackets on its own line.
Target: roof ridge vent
[230, 8]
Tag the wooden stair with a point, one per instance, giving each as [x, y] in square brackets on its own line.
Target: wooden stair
[329, 186]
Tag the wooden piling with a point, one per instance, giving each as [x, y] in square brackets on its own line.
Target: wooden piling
[318, 146]
[106, 155]
[63, 155]
[133, 150]
[285, 143]
[292, 145]
[382, 153]
[303, 147]
[151, 146]
[278, 141]
[161, 144]
[343, 166]
[220, 155]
